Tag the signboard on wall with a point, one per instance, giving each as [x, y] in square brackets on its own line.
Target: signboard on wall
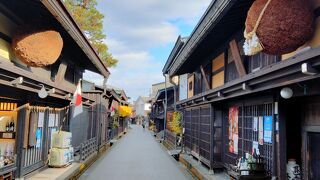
[261, 130]
[183, 87]
[267, 131]
[233, 130]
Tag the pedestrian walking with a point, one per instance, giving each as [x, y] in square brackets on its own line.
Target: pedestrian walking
[143, 125]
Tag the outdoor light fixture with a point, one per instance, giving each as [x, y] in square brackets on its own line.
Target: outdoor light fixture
[308, 69]
[286, 93]
[219, 94]
[246, 87]
[52, 91]
[42, 93]
[17, 81]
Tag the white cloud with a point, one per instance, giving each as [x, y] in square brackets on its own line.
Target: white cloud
[135, 27]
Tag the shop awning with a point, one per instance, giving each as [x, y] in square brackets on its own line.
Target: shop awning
[125, 111]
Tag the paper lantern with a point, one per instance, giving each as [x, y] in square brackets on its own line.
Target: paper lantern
[37, 48]
[286, 93]
[284, 25]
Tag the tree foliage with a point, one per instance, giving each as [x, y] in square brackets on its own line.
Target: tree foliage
[175, 124]
[90, 21]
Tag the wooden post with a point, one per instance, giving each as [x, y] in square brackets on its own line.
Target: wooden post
[205, 78]
[237, 58]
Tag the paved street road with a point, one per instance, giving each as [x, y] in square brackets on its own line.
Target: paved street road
[137, 156]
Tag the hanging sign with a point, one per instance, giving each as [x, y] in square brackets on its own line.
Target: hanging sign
[261, 130]
[38, 138]
[233, 130]
[40, 119]
[267, 129]
[51, 120]
[255, 147]
[255, 124]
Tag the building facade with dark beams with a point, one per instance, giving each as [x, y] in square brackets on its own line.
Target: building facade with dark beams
[230, 101]
[159, 112]
[20, 84]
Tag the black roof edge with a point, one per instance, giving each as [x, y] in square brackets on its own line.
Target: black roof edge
[206, 22]
[160, 91]
[176, 49]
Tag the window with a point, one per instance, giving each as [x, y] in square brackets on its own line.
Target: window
[217, 78]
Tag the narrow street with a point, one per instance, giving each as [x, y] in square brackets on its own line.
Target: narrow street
[136, 156]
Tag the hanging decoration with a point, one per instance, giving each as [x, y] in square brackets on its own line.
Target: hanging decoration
[277, 26]
[233, 130]
[37, 47]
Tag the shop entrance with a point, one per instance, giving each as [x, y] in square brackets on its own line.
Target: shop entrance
[293, 117]
[8, 125]
[314, 155]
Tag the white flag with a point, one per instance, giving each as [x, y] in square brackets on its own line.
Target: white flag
[77, 101]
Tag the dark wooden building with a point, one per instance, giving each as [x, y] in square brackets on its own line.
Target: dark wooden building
[20, 84]
[158, 107]
[230, 98]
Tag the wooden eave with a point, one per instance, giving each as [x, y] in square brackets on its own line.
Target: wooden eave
[176, 49]
[277, 75]
[60, 12]
[221, 20]
[9, 72]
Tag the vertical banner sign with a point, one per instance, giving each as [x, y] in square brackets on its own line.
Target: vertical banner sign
[267, 129]
[255, 147]
[51, 120]
[40, 119]
[255, 124]
[233, 130]
[38, 138]
[261, 130]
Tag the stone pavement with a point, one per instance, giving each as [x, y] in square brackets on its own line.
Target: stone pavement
[136, 157]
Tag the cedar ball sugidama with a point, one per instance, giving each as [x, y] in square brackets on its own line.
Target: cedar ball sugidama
[37, 48]
[285, 25]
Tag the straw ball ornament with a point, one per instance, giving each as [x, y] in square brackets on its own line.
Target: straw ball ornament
[284, 26]
[37, 47]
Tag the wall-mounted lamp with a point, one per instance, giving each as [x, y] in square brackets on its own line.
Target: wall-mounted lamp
[246, 87]
[286, 93]
[17, 81]
[220, 94]
[52, 91]
[42, 93]
[204, 99]
[308, 69]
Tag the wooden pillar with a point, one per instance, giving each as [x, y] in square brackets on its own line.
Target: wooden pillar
[61, 73]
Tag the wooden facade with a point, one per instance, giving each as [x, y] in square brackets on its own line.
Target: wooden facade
[251, 84]
[20, 84]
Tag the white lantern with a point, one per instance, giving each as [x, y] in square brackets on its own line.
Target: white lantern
[286, 93]
[42, 93]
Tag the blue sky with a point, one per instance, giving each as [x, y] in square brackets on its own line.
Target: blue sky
[141, 34]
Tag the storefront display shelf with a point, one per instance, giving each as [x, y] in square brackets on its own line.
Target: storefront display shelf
[7, 135]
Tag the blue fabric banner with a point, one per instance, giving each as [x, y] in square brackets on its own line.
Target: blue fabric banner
[267, 131]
